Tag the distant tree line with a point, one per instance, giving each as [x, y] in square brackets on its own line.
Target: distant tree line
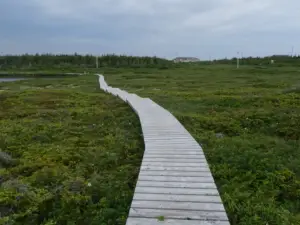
[76, 60]
[45, 61]
[277, 59]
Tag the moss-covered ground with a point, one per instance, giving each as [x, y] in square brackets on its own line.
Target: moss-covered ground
[248, 123]
[69, 153]
[77, 150]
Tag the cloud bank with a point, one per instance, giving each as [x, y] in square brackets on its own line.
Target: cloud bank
[166, 28]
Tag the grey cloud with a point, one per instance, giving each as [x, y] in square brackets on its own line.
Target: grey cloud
[161, 27]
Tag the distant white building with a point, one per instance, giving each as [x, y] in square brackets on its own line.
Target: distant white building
[186, 59]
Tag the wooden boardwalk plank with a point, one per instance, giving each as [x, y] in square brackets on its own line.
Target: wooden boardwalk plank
[178, 214]
[184, 179]
[175, 173]
[195, 206]
[174, 151]
[170, 144]
[177, 156]
[175, 160]
[181, 169]
[150, 221]
[179, 191]
[175, 182]
[202, 164]
[174, 164]
[177, 198]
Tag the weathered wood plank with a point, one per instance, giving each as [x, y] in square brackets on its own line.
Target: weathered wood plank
[197, 206]
[150, 221]
[186, 179]
[175, 164]
[177, 156]
[178, 214]
[180, 169]
[175, 152]
[170, 132]
[172, 143]
[173, 146]
[175, 160]
[175, 173]
[177, 198]
[175, 184]
[178, 191]
[182, 138]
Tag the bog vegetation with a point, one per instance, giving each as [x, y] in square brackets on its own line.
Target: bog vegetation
[69, 154]
[246, 120]
[248, 123]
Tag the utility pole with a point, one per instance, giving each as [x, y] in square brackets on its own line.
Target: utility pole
[1, 58]
[237, 61]
[292, 51]
[242, 57]
[176, 54]
[210, 59]
[97, 63]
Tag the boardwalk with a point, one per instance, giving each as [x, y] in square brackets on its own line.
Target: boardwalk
[175, 185]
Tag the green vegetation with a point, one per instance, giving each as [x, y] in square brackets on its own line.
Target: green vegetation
[161, 218]
[69, 153]
[248, 124]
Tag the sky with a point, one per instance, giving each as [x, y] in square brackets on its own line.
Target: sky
[165, 28]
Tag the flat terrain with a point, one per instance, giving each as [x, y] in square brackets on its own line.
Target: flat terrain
[77, 150]
[76, 153]
[248, 123]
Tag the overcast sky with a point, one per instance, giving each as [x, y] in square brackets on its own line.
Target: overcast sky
[166, 28]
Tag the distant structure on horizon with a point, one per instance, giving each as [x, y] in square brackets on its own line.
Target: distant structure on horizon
[186, 59]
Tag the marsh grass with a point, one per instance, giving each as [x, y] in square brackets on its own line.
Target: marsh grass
[256, 163]
[78, 153]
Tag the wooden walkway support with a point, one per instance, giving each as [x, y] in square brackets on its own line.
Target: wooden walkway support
[175, 185]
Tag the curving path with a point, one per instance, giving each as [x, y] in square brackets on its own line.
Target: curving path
[175, 185]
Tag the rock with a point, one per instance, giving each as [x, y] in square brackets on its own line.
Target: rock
[5, 211]
[292, 90]
[76, 186]
[16, 185]
[5, 159]
[220, 135]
